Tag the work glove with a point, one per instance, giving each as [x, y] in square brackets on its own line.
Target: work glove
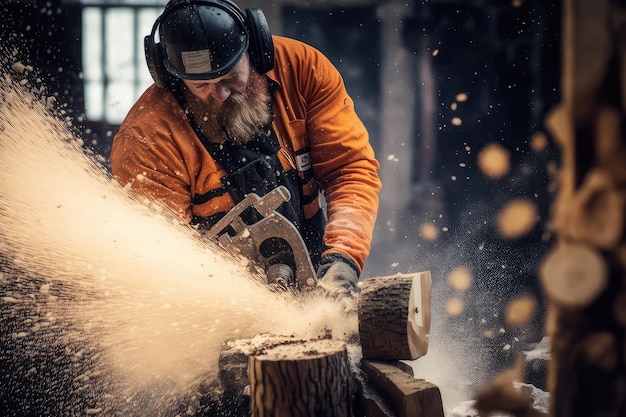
[337, 277]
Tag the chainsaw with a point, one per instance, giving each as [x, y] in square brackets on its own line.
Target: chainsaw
[272, 242]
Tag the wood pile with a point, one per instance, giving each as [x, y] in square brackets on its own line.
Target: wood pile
[584, 277]
[273, 375]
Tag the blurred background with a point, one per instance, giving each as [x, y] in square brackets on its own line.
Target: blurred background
[454, 94]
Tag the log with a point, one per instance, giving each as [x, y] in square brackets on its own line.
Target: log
[368, 402]
[272, 375]
[309, 378]
[573, 275]
[405, 395]
[394, 316]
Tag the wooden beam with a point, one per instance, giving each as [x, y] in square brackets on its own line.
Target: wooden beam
[404, 394]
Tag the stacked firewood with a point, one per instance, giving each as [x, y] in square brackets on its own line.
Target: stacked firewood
[584, 276]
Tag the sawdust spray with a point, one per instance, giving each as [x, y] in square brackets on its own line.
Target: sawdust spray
[135, 301]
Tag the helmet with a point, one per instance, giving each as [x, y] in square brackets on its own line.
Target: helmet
[202, 40]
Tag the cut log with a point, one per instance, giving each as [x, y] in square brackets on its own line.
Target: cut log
[306, 379]
[574, 275]
[394, 316]
[405, 395]
[233, 396]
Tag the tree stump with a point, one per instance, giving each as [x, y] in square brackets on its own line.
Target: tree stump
[307, 379]
[394, 316]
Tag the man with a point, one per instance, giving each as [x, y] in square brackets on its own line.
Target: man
[235, 110]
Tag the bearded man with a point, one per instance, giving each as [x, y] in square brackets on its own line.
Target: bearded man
[235, 110]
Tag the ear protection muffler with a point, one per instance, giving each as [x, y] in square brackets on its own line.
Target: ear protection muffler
[260, 43]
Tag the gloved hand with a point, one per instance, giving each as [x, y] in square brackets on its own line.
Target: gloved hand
[337, 276]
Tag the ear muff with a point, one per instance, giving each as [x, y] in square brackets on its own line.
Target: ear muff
[154, 59]
[155, 55]
[260, 49]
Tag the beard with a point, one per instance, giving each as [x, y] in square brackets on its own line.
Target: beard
[239, 118]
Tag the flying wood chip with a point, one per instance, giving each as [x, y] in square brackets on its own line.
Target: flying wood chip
[517, 218]
[494, 161]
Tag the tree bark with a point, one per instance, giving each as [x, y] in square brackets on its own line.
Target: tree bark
[394, 316]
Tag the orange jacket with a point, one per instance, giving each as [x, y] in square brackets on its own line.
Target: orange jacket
[157, 151]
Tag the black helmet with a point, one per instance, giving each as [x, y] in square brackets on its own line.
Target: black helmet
[202, 40]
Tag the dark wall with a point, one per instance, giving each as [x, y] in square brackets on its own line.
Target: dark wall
[506, 58]
[46, 34]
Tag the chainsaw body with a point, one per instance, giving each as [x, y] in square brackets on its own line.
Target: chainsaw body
[272, 242]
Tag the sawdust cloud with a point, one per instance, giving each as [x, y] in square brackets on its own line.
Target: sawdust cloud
[137, 299]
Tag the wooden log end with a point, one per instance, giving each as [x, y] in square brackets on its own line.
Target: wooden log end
[574, 275]
[418, 327]
[394, 316]
[298, 350]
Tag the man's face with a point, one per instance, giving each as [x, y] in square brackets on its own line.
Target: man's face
[219, 89]
[234, 106]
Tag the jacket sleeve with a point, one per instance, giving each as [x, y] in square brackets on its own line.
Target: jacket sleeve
[151, 164]
[343, 160]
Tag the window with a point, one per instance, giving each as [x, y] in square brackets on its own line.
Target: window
[114, 67]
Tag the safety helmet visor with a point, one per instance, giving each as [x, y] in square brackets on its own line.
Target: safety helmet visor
[202, 42]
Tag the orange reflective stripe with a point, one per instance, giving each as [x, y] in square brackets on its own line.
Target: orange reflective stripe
[310, 189]
[312, 208]
[215, 205]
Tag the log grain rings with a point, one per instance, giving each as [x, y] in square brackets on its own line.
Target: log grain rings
[394, 316]
[574, 275]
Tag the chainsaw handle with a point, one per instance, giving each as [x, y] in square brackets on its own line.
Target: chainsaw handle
[264, 205]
